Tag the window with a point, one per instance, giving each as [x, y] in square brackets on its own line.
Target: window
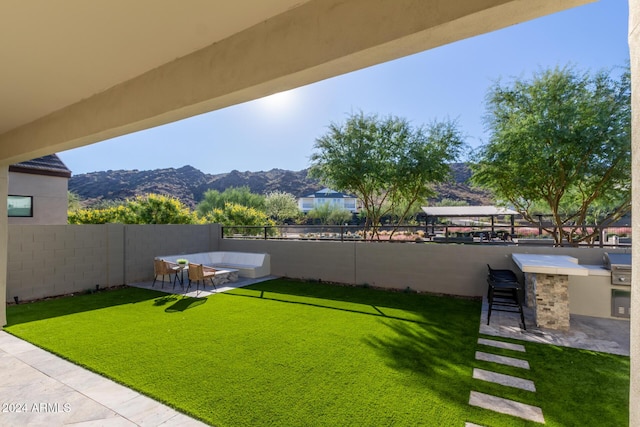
[20, 206]
[350, 204]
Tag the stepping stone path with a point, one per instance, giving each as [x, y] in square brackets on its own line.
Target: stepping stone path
[496, 403]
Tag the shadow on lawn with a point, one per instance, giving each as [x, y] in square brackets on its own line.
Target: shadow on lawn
[374, 312]
[437, 357]
[431, 339]
[46, 309]
[185, 303]
[180, 303]
[423, 308]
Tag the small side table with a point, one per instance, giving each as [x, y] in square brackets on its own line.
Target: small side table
[181, 268]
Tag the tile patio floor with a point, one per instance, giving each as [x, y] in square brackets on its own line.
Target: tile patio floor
[41, 389]
[589, 333]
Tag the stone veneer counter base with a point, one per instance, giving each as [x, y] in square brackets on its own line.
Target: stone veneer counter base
[547, 286]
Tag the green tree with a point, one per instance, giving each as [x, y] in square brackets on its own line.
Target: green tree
[106, 203]
[234, 216]
[160, 209]
[339, 216]
[386, 163]
[326, 213]
[148, 209]
[73, 201]
[237, 195]
[92, 216]
[281, 206]
[405, 213]
[450, 202]
[560, 144]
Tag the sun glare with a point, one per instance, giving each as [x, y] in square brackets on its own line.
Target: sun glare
[278, 103]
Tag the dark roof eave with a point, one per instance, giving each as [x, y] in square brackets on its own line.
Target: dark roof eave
[33, 171]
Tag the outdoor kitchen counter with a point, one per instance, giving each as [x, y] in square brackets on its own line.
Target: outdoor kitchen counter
[547, 286]
[550, 264]
[597, 270]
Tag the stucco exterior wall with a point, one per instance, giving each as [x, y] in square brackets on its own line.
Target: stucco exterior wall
[49, 197]
[447, 269]
[4, 232]
[591, 295]
[634, 47]
[144, 242]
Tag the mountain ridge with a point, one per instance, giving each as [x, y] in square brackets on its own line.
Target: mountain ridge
[189, 184]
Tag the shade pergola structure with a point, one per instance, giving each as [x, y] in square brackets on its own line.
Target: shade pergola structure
[470, 212]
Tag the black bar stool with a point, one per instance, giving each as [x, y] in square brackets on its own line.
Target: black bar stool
[504, 293]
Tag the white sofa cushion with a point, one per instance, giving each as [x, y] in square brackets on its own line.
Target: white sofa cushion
[248, 264]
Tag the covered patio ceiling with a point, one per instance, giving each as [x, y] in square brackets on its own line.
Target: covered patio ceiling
[77, 72]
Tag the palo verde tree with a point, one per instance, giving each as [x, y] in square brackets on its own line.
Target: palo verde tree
[240, 219]
[73, 201]
[385, 162]
[160, 209]
[213, 199]
[329, 214]
[281, 206]
[560, 144]
[147, 209]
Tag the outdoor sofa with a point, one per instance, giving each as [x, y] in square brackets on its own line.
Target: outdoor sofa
[248, 264]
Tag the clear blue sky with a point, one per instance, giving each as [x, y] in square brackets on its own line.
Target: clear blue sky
[448, 82]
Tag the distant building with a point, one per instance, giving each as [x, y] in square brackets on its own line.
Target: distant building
[333, 198]
[38, 191]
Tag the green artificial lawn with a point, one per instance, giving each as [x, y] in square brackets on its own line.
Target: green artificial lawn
[290, 353]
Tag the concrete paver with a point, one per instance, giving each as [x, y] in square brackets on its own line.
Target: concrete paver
[503, 360]
[502, 344]
[506, 406]
[502, 379]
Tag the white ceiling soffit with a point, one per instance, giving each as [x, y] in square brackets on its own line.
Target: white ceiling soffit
[84, 47]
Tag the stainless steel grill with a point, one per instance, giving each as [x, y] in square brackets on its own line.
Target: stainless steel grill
[620, 266]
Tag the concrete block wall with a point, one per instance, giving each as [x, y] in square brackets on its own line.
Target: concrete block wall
[54, 260]
[60, 259]
[50, 260]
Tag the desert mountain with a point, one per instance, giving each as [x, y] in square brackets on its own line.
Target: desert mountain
[189, 184]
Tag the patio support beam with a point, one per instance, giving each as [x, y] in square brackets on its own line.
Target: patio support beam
[634, 47]
[4, 242]
[318, 39]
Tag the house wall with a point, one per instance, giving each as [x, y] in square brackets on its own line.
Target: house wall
[61, 259]
[49, 194]
[634, 55]
[305, 204]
